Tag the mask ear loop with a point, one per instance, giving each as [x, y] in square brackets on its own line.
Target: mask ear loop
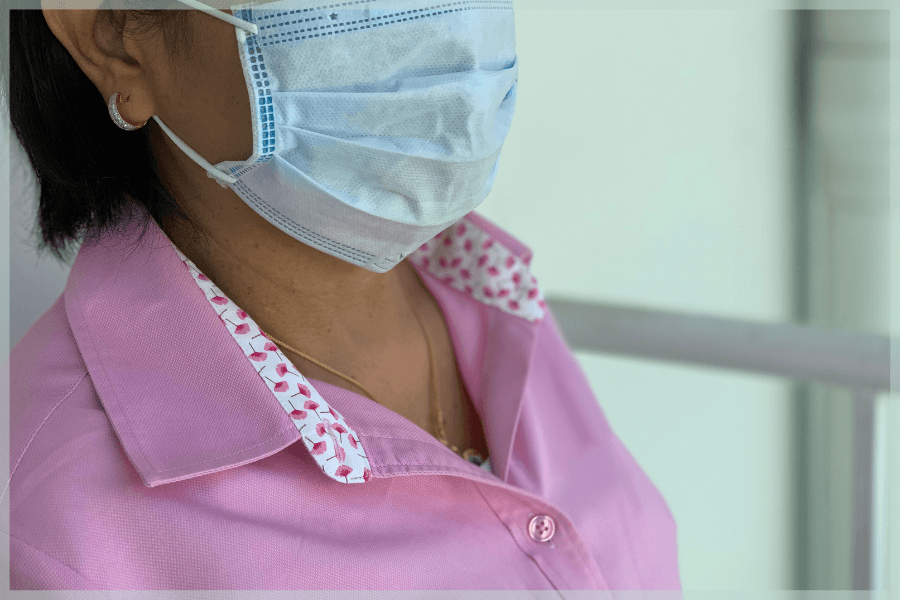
[214, 12]
[211, 171]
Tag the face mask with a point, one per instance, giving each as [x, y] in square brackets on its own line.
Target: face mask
[377, 124]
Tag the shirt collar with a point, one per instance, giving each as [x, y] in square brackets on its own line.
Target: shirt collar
[192, 386]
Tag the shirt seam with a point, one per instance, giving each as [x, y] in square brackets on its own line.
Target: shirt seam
[53, 558]
[38, 430]
[408, 464]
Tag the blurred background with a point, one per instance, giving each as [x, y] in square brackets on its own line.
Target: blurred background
[733, 164]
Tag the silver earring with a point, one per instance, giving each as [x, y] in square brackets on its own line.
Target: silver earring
[117, 118]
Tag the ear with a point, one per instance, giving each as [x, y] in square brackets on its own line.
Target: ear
[105, 56]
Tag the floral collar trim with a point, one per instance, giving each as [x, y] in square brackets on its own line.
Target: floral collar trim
[462, 256]
[468, 259]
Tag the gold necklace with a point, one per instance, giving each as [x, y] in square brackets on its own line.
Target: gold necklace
[469, 454]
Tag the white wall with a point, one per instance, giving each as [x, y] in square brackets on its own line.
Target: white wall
[649, 164]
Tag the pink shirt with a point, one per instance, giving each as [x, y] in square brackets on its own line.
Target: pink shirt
[159, 440]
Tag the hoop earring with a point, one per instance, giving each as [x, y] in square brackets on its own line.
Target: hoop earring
[117, 118]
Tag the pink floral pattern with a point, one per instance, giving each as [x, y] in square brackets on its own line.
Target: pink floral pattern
[462, 256]
[325, 433]
[468, 259]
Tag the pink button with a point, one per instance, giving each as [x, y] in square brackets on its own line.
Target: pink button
[541, 528]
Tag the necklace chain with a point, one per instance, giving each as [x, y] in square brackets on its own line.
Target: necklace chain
[470, 454]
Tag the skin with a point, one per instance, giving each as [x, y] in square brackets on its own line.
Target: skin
[355, 321]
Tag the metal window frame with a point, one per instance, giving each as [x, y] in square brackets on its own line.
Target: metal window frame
[858, 361]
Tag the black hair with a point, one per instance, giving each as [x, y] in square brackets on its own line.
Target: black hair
[91, 174]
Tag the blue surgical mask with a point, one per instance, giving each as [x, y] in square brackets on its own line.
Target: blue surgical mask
[377, 124]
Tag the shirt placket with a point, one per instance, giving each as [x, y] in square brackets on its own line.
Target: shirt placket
[548, 536]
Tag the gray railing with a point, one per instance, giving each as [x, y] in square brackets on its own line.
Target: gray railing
[858, 361]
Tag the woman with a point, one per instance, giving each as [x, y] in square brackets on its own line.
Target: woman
[241, 340]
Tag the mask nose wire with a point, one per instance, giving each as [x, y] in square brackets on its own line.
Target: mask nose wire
[243, 27]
